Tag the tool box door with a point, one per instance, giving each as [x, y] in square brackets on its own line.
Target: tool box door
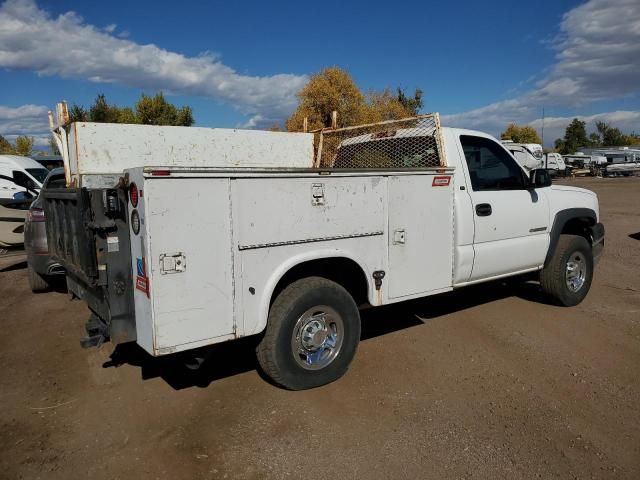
[189, 235]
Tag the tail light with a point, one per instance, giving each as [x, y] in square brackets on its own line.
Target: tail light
[35, 215]
[133, 195]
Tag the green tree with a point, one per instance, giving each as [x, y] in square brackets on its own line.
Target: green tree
[610, 136]
[148, 110]
[411, 104]
[24, 145]
[127, 115]
[157, 111]
[575, 136]
[521, 134]
[594, 140]
[102, 112]
[558, 145]
[6, 147]
[78, 113]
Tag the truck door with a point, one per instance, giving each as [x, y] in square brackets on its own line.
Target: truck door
[511, 221]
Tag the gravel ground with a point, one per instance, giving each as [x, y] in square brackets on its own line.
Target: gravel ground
[488, 382]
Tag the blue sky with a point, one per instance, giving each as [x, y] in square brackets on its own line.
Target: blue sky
[481, 64]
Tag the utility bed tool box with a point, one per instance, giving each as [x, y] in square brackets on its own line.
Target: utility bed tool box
[208, 247]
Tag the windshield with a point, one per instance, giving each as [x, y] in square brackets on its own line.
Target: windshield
[38, 173]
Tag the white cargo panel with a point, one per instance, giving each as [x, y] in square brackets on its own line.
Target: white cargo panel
[281, 211]
[107, 149]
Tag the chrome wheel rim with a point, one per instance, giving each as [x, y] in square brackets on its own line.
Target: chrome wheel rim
[576, 271]
[317, 337]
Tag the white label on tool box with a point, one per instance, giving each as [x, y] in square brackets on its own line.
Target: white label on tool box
[113, 244]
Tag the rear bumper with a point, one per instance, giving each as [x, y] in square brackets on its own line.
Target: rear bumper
[597, 241]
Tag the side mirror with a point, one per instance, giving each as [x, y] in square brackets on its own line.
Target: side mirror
[539, 178]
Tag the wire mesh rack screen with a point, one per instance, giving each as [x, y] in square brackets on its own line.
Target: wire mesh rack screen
[396, 144]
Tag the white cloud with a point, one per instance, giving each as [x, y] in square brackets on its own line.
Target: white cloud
[554, 127]
[32, 39]
[598, 58]
[24, 120]
[30, 120]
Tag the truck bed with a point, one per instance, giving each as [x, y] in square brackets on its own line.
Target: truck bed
[235, 235]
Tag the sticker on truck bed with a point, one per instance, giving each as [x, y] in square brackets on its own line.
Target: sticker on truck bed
[142, 281]
[441, 181]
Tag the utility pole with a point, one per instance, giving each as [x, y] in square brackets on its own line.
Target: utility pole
[542, 127]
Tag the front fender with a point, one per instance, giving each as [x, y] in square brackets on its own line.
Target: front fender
[560, 221]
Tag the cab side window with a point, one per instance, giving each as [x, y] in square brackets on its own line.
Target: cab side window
[490, 166]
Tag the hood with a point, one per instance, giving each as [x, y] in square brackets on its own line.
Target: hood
[563, 197]
[567, 188]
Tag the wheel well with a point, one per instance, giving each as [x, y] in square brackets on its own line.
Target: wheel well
[579, 226]
[341, 270]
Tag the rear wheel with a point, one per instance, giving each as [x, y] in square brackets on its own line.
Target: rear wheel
[312, 334]
[36, 281]
[567, 277]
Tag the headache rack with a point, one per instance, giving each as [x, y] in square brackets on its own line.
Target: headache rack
[408, 143]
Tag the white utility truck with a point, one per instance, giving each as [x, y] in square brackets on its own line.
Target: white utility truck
[284, 235]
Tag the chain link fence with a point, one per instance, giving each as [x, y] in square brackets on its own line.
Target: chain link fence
[414, 142]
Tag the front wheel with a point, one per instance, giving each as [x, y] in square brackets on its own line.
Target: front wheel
[567, 276]
[312, 334]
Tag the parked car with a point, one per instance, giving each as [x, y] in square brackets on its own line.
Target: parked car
[14, 207]
[41, 266]
[12, 216]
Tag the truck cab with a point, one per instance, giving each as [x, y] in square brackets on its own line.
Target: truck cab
[506, 223]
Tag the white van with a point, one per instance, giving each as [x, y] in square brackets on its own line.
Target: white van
[23, 170]
[555, 164]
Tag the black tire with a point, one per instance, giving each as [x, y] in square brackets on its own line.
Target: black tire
[554, 277]
[36, 281]
[277, 355]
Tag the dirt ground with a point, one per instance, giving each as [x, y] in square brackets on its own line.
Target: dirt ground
[488, 382]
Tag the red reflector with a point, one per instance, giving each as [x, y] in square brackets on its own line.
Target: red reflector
[160, 173]
[133, 195]
[36, 215]
[441, 181]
